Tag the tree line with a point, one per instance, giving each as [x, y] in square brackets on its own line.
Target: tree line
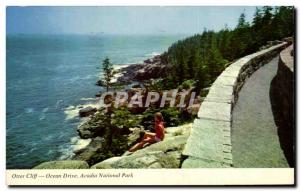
[202, 57]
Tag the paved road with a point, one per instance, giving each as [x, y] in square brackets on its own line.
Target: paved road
[255, 141]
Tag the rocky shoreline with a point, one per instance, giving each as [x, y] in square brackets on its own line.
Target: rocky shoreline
[123, 127]
[151, 68]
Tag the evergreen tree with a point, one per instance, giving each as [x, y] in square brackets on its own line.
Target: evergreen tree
[242, 21]
[203, 56]
[108, 74]
[266, 24]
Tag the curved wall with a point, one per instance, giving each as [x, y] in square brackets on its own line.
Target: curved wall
[209, 144]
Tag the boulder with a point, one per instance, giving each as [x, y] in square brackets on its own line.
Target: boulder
[87, 154]
[105, 164]
[148, 61]
[87, 111]
[98, 94]
[124, 79]
[152, 70]
[134, 136]
[64, 164]
[92, 128]
[137, 86]
[165, 154]
[177, 131]
[192, 110]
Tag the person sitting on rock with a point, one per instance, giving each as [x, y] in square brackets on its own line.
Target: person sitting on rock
[152, 137]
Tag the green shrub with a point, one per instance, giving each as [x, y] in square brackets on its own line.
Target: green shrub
[148, 117]
[166, 83]
[187, 84]
[171, 116]
[169, 83]
[124, 119]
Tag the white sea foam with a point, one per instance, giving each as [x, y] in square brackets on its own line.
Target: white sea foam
[115, 77]
[72, 112]
[118, 74]
[58, 103]
[29, 110]
[49, 137]
[78, 143]
[45, 109]
[75, 144]
[32, 149]
[120, 66]
[88, 99]
[50, 152]
[66, 151]
[79, 78]
[20, 154]
[42, 117]
[153, 54]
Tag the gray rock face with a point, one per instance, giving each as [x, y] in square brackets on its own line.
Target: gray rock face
[164, 154]
[92, 128]
[87, 111]
[66, 164]
[150, 69]
[86, 154]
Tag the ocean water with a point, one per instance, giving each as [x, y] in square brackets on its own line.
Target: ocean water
[47, 76]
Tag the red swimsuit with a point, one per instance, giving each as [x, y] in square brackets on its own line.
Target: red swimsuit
[159, 132]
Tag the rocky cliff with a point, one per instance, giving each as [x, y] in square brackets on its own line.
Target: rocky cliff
[164, 154]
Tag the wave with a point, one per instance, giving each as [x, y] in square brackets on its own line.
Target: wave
[42, 117]
[45, 109]
[152, 54]
[49, 137]
[50, 153]
[88, 99]
[21, 154]
[78, 78]
[72, 111]
[58, 103]
[75, 144]
[66, 151]
[78, 143]
[120, 66]
[32, 149]
[29, 110]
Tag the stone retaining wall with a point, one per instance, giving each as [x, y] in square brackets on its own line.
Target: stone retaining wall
[209, 144]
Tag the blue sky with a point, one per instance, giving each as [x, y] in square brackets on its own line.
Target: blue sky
[121, 20]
